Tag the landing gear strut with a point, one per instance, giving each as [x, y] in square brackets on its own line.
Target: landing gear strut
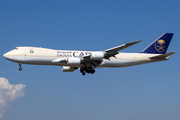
[85, 70]
[20, 68]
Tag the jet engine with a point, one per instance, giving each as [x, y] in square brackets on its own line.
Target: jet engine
[68, 69]
[97, 55]
[74, 61]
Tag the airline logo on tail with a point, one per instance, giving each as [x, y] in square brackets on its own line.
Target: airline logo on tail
[159, 46]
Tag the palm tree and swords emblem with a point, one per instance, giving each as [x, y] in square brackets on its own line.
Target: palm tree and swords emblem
[160, 46]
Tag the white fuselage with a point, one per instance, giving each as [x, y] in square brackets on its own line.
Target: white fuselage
[44, 56]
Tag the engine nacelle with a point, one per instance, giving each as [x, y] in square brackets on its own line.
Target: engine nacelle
[97, 55]
[68, 69]
[74, 61]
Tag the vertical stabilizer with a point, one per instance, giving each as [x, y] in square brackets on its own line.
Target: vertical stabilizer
[160, 45]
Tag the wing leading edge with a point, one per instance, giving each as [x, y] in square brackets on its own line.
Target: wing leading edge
[113, 51]
[118, 48]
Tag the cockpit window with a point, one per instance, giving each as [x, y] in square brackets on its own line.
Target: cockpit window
[15, 48]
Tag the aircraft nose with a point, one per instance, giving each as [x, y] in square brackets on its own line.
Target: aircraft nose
[5, 55]
[8, 57]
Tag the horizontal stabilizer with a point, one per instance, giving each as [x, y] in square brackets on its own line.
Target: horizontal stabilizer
[162, 55]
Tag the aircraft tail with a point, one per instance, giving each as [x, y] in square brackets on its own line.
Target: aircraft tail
[160, 45]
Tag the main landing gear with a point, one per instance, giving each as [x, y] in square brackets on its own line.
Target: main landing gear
[20, 68]
[85, 70]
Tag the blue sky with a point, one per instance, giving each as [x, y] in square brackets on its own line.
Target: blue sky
[144, 92]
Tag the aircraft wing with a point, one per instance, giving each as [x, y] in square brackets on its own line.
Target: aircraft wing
[113, 51]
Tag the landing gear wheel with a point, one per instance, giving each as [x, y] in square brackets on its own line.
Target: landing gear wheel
[85, 70]
[92, 71]
[20, 68]
[83, 73]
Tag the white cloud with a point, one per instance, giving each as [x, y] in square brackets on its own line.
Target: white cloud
[8, 93]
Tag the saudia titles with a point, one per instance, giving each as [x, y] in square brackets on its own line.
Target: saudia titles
[159, 45]
[71, 54]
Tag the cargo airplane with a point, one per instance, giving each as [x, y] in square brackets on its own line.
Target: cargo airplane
[87, 61]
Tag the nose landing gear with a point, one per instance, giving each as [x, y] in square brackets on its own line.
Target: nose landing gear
[20, 68]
